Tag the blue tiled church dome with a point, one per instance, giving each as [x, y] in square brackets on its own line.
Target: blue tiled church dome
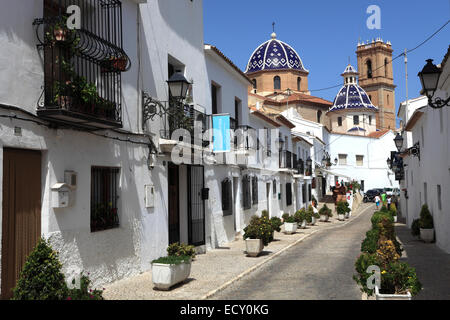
[274, 55]
[351, 95]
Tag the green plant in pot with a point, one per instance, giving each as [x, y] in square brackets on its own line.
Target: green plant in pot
[415, 227]
[426, 224]
[276, 223]
[285, 216]
[301, 217]
[325, 213]
[290, 224]
[342, 209]
[257, 234]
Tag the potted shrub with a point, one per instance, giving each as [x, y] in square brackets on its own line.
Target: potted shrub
[325, 213]
[285, 216]
[313, 215]
[342, 209]
[257, 234]
[426, 225]
[173, 269]
[290, 225]
[301, 218]
[170, 270]
[276, 224]
[393, 210]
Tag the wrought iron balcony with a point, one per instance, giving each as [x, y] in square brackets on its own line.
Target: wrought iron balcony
[82, 67]
[245, 138]
[300, 166]
[285, 159]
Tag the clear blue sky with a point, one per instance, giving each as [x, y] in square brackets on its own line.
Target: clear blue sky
[326, 33]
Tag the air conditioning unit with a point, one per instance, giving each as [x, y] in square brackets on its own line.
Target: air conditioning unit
[70, 178]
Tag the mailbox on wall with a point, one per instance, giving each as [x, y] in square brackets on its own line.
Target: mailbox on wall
[60, 195]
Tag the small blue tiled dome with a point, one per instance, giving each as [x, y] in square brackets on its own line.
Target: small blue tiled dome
[274, 55]
[351, 95]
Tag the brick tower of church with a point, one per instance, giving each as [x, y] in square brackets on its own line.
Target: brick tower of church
[376, 78]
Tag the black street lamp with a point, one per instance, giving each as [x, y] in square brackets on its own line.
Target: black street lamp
[398, 141]
[429, 78]
[178, 86]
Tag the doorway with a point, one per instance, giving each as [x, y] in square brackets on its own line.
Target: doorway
[174, 205]
[21, 222]
[268, 198]
[236, 202]
[196, 206]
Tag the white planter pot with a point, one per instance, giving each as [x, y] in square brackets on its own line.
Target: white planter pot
[395, 219]
[341, 217]
[254, 247]
[347, 215]
[303, 226]
[313, 221]
[427, 235]
[165, 276]
[381, 296]
[327, 218]
[290, 227]
[323, 218]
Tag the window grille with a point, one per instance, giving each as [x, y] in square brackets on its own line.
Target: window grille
[104, 198]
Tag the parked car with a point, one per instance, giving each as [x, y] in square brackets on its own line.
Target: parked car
[389, 191]
[369, 195]
[396, 192]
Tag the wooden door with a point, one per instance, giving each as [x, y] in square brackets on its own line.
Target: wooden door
[21, 222]
[174, 205]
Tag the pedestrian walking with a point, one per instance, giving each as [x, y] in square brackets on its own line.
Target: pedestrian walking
[383, 197]
[389, 200]
[377, 200]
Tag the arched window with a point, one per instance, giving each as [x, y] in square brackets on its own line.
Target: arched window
[276, 83]
[386, 67]
[369, 68]
[319, 116]
[299, 81]
[254, 84]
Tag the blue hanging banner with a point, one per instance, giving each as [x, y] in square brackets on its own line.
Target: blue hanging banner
[221, 133]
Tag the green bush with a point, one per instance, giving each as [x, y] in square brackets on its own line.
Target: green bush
[364, 261]
[173, 260]
[276, 223]
[426, 219]
[84, 292]
[393, 209]
[325, 211]
[290, 219]
[265, 213]
[41, 277]
[301, 216]
[177, 249]
[342, 207]
[285, 216]
[370, 243]
[379, 216]
[259, 228]
[415, 227]
[400, 278]
[312, 213]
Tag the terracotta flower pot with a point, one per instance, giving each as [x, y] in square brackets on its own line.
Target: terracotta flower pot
[59, 34]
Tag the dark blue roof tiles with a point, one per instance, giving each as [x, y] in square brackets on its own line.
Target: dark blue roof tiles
[274, 55]
[352, 96]
[356, 129]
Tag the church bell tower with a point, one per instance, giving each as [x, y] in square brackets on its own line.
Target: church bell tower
[377, 79]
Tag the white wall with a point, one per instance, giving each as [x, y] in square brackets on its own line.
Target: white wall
[374, 171]
[433, 168]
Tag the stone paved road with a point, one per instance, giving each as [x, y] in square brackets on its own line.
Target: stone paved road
[320, 267]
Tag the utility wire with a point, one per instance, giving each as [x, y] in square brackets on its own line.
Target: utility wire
[400, 55]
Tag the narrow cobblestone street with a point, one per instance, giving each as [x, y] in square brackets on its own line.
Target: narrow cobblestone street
[321, 267]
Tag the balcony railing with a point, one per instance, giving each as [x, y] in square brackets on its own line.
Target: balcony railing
[300, 166]
[82, 67]
[188, 118]
[245, 138]
[285, 159]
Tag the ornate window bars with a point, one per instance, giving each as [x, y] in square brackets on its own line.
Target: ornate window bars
[82, 75]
